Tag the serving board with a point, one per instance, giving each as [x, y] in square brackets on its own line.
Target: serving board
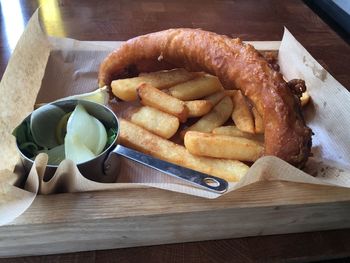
[72, 222]
[137, 217]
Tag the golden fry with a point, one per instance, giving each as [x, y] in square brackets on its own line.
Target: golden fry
[196, 88]
[156, 121]
[222, 146]
[198, 108]
[229, 92]
[155, 98]
[241, 114]
[144, 141]
[215, 118]
[125, 89]
[232, 130]
[258, 121]
[216, 97]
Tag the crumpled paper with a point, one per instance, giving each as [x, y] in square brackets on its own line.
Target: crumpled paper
[44, 69]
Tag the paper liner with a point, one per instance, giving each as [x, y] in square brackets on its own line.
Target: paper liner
[44, 69]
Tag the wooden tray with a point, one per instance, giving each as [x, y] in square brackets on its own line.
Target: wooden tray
[127, 218]
[137, 217]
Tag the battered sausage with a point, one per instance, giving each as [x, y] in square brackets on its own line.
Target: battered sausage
[237, 65]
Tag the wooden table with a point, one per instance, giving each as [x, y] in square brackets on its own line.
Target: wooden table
[250, 20]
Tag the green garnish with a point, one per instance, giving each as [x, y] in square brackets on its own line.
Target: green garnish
[25, 140]
[111, 135]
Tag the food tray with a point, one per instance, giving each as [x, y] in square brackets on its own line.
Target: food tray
[70, 222]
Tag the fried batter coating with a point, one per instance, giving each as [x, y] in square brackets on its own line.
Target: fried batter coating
[237, 65]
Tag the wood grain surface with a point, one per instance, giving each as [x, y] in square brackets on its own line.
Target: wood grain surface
[250, 20]
[98, 220]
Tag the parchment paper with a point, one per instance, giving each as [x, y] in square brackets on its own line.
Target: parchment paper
[18, 90]
[44, 69]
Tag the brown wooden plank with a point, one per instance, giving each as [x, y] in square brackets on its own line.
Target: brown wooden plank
[129, 218]
[127, 203]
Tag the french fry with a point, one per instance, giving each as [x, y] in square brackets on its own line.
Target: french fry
[144, 141]
[215, 118]
[198, 108]
[232, 130]
[222, 146]
[156, 121]
[241, 114]
[125, 89]
[229, 92]
[167, 78]
[156, 98]
[258, 122]
[305, 98]
[196, 88]
[216, 97]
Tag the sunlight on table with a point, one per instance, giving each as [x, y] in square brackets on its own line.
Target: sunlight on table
[51, 18]
[13, 21]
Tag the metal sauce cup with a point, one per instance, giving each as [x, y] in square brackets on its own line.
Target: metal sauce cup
[105, 167]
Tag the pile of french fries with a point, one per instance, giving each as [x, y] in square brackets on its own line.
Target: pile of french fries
[220, 130]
